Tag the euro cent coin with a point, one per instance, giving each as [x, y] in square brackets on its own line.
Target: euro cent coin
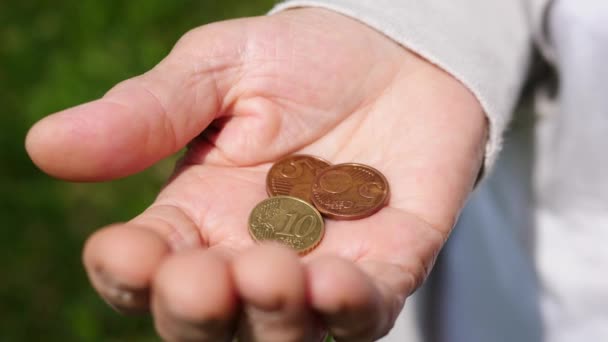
[350, 191]
[293, 176]
[288, 220]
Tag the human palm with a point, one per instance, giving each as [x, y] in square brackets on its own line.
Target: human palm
[243, 94]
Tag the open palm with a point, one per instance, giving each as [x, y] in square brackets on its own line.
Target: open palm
[243, 94]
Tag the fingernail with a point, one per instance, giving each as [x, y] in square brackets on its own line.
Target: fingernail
[122, 298]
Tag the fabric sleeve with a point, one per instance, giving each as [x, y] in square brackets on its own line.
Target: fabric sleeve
[485, 44]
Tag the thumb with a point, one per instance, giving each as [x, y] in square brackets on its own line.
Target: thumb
[138, 122]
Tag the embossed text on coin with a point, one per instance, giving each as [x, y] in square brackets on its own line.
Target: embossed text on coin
[293, 176]
[350, 191]
[288, 220]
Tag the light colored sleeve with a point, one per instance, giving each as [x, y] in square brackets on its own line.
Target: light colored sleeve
[485, 44]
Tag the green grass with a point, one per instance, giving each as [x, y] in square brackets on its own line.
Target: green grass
[56, 54]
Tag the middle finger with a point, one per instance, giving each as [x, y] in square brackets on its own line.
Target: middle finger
[194, 298]
[272, 284]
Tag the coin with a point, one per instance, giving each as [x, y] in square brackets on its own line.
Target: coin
[288, 220]
[349, 191]
[293, 176]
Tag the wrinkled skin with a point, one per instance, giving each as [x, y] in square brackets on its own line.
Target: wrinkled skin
[242, 94]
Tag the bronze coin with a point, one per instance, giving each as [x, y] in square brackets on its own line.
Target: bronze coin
[350, 191]
[293, 176]
[287, 220]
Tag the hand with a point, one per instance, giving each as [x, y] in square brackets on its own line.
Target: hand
[307, 81]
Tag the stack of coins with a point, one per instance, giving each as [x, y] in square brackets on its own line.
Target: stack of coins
[303, 187]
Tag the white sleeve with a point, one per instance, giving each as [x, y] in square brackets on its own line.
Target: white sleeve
[486, 44]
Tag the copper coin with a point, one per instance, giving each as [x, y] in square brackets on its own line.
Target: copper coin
[288, 220]
[293, 176]
[350, 191]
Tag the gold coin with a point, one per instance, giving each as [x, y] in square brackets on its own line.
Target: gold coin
[293, 176]
[287, 220]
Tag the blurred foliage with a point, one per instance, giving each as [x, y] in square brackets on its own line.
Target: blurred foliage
[56, 54]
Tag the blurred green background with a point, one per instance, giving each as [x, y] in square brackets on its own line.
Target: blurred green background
[56, 54]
